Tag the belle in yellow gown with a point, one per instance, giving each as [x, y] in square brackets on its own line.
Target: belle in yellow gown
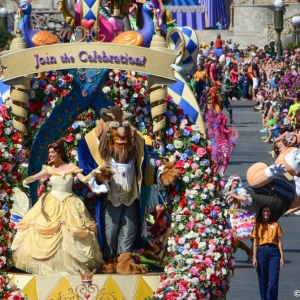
[57, 235]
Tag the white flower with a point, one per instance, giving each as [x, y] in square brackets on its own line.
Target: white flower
[224, 271]
[181, 227]
[186, 179]
[177, 144]
[208, 171]
[210, 271]
[106, 89]
[210, 186]
[46, 92]
[78, 136]
[193, 193]
[187, 246]
[186, 165]
[201, 245]
[198, 173]
[217, 255]
[7, 131]
[2, 212]
[178, 218]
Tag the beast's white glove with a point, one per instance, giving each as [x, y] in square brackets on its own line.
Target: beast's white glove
[297, 184]
[275, 171]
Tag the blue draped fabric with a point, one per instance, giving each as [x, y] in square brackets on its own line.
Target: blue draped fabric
[183, 3]
[195, 20]
[214, 10]
[187, 13]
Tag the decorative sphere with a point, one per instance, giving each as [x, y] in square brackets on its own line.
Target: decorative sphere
[20, 141]
[3, 11]
[278, 3]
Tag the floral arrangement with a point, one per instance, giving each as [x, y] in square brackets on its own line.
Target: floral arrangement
[132, 94]
[10, 177]
[200, 247]
[291, 84]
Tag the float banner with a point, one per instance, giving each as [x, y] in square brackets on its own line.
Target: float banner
[83, 55]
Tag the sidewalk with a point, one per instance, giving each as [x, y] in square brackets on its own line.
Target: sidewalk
[250, 149]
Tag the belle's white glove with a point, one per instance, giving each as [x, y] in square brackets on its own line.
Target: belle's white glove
[275, 171]
[297, 184]
[88, 177]
[28, 180]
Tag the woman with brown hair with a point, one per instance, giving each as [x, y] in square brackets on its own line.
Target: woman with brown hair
[57, 235]
[267, 253]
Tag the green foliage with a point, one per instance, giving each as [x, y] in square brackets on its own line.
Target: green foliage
[4, 37]
[291, 46]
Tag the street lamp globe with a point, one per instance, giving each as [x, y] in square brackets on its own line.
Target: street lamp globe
[294, 20]
[278, 3]
[3, 11]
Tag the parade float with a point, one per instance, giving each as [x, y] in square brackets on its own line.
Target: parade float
[57, 91]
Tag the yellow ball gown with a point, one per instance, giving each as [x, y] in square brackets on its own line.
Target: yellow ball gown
[57, 235]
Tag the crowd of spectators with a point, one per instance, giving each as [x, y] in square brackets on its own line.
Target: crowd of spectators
[271, 82]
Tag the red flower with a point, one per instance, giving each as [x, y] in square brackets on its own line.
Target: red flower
[182, 203]
[67, 78]
[70, 138]
[6, 166]
[180, 163]
[16, 138]
[194, 244]
[8, 190]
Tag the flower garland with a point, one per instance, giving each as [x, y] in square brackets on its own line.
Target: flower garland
[10, 177]
[200, 245]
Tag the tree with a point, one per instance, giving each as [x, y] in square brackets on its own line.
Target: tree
[5, 36]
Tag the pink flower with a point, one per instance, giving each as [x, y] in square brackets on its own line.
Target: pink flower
[202, 277]
[158, 163]
[195, 166]
[208, 261]
[201, 152]
[190, 225]
[184, 121]
[217, 209]
[70, 138]
[207, 222]
[194, 271]
[211, 241]
[195, 280]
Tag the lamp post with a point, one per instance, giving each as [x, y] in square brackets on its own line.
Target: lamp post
[278, 24]
[3, 17]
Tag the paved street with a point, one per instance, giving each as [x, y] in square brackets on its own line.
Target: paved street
[250, 149]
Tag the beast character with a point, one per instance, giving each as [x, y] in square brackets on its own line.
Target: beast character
[277, 185]
[119, 150]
